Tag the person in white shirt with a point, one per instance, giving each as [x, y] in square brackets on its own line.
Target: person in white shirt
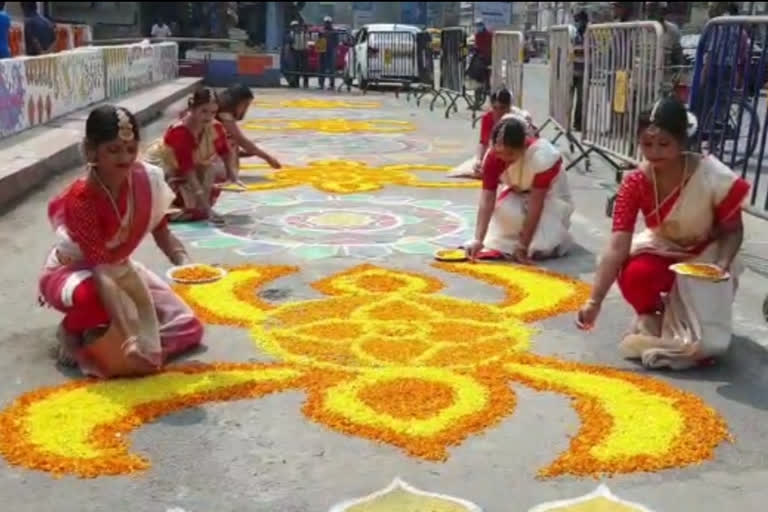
[161, 30]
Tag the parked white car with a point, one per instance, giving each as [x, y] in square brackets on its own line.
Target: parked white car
[384, 53]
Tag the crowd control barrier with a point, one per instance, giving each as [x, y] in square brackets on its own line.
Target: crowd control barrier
[386, 58]
[622, 78]
[728, 98]
[564, 90]
[428, 71]
[315, 53]
[453, 56]
[507, 63]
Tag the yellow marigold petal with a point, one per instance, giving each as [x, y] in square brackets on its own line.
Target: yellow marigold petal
[532, 293]
[349, 177]
[480, 399]
[368, 278]
[629, 422]
[81, 428]
[232, 300]
[331, 125]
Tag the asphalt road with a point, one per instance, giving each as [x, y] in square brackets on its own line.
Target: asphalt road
[270, 453]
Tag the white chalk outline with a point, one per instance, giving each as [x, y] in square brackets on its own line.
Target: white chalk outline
[399, 484]
[602, 491]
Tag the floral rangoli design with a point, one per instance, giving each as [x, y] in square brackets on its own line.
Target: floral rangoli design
[346, 176]
[329, 125]
[383, 356]
[315, 103]
[315, 226]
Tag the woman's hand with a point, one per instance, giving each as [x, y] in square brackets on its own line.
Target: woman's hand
[587, 315]
[273, 162]
[473, 249]
[521, 256]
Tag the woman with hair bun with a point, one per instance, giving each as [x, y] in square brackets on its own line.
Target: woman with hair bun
[691, 205]
[501, 107]
[195, 155]
[530, 219]
[120, 319]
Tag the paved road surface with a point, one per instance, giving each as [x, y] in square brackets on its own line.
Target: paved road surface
[308, 445]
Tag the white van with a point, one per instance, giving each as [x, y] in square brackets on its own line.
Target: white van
[384, 52]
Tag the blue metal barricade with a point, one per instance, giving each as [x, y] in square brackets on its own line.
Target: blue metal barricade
[728, 98]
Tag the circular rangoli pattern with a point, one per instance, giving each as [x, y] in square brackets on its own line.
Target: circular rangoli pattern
[385, 356]
[329, 125]
[292, 148]
[314, 226]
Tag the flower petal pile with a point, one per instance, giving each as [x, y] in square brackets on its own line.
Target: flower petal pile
[349, 177]
[315, 103]
[330, 125]
[383, 355]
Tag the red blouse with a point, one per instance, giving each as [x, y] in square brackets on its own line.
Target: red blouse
[494, 167]
[636, 194]
[91, 221]
[487, 123]
[183, 143]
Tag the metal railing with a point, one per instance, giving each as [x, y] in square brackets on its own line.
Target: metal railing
[507, 63]
[565, 89]
[453, 56]
[728, 98]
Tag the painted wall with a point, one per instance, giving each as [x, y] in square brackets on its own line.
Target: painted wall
[35, 90]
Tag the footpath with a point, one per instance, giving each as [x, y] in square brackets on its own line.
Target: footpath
[30, 158]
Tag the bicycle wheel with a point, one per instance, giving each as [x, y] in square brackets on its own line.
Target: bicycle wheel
[734, 132]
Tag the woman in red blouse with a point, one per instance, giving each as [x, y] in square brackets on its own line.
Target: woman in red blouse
[90, 276]
[195, 156]
[531, 216]
[501, 107]
[233, 105]
[691, 205]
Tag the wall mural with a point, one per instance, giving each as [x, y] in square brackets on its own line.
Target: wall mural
[62, 83]
[34, 90]
[13, 85]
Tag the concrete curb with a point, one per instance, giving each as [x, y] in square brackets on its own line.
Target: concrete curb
[36, 155]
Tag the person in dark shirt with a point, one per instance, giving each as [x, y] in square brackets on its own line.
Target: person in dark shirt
[39, 33]
[582, 20]
[328, 56]
[5, 29]
[483, 40]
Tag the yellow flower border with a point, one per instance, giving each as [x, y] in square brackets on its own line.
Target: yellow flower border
[629, 422]
[350, 176]
[331, 126]
[112, 439]
[315, 104]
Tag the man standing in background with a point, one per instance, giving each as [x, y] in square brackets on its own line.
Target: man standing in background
[582, 20]
[297, 42]
[161, 30]
[39, 33]
[5, 29]
[330, 39]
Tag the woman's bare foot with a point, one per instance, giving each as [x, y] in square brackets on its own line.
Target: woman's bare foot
[144, 363]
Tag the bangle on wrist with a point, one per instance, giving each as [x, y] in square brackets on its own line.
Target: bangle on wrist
[593, 302]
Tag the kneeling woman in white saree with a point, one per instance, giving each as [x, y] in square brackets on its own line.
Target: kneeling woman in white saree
[530, 218]
[691, 205]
